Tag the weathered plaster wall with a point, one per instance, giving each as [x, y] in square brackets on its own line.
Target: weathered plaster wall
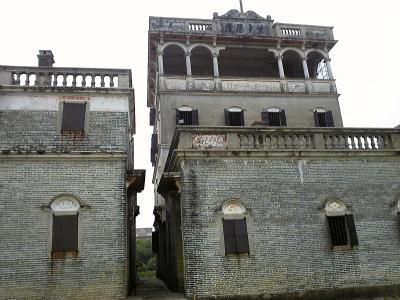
[289, 238]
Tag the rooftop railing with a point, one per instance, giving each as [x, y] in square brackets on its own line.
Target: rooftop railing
[65, 77]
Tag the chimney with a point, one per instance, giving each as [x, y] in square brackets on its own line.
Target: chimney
[46, 58]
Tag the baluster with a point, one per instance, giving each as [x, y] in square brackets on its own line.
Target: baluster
[281, 142]
[102, 83]
[93, 83]
[36, 81]
[335, 142]
[374, 144]
[251, 141]
[347, 139]
[112, 80]
[366, 142]
[328, 141]
[309, 143]
[274, 142]
[256, 142]
[64, 82]
[342, 142]
[353, 142]
[267, 142]
[83, 80]
[27, 79]
[301, 141]
[54, 82]
[74, 80]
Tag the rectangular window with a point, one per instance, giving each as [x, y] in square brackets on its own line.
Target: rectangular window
[234, 118]
[184, 117]
[154, 148]
[342, 230]
[235, 236]
[73, 117]
[65, 233]
[323, 119]
[274, 118]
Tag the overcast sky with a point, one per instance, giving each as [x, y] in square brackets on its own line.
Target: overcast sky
[113, 34]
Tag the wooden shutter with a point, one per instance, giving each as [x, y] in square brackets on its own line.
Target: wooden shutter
[242, 118]
[227, 119]
[195, 117]
[154, 148]
[316, 120]
[229, 236]
[65, 233]
[329, 119]
[242, 241]
[152, 116]
[264, 117]
[282, 117]
[351, 226]
[73, 118]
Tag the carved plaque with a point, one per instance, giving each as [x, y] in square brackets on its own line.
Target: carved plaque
[233, 207]
[64, 204]
[335, 206]
[209, 141]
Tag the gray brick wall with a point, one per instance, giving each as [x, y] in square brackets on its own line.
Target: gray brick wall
[289, 238]
[29, 131]
[26, 270]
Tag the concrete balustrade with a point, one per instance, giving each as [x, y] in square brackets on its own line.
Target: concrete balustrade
[65, 77]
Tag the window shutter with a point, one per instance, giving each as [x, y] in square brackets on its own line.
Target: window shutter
[195, 117]
[154, 148]
[316, 120]
[229, 236]
[282, 117]
[242, 118]
[227, 119]
[329, 119]
[152, 116]
[73, 118]
[242, 241]
[352, 230]
[65, 233]
[264, 117]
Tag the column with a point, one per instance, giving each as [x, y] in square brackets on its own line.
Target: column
[328, 67]
[188, 64]
[160, 62]
[215, 64]
[280, 66]
[305, 68]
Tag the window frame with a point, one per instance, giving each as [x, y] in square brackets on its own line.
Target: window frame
[328, 118]
[340, 210]
[61, 114]
[231, 110]
[243, 214]
[281, 113]
[194, 116]
[52, 212]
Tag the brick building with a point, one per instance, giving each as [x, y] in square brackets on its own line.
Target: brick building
[259, 189]
[67, 183]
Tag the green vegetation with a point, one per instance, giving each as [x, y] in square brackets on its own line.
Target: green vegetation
[145, 259]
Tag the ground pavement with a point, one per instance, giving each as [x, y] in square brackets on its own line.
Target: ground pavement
[154, 289]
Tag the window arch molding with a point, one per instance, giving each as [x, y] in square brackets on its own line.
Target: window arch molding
[186, 115]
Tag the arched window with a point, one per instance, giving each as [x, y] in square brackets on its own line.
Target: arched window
[341, 225]
[174, 61]
[202, 62]
[186, 115]
[317, 67]
[292, 65]
[234, 224]
[65, 225]
[323, 118]
[234, 116]
[274, 116]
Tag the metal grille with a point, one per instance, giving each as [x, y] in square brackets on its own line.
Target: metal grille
[235, 119]
[274, 119]
[337, 227]
[185, 118]
[321, 119]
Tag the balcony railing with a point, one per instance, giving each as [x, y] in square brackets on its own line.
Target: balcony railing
[65, 77]
[282, 141]
[253, 85]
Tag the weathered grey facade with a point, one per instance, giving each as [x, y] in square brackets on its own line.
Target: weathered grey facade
[260, 191]
[67, 183]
